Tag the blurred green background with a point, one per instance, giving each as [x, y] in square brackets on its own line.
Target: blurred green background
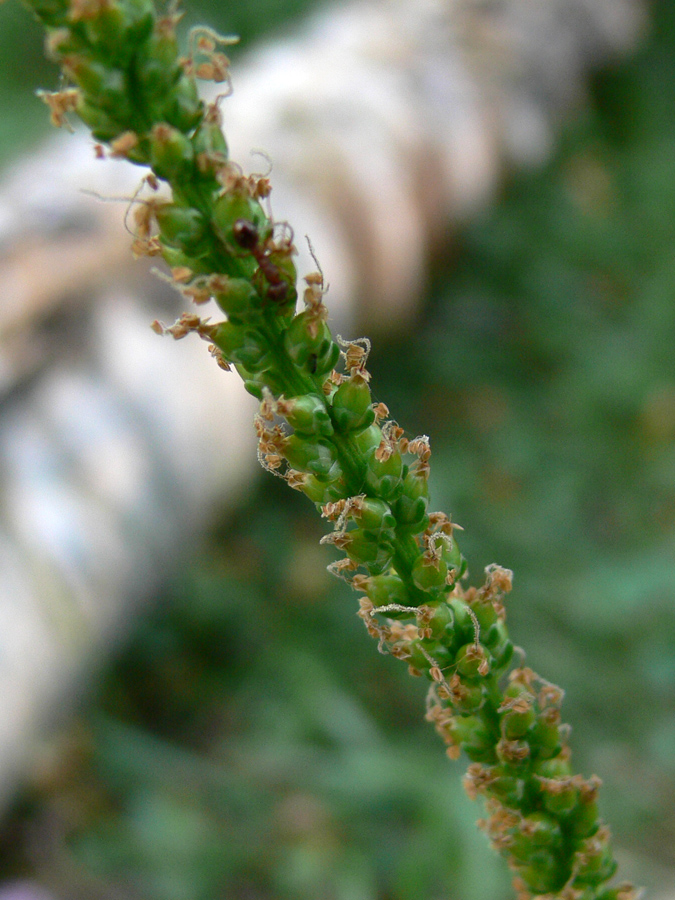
[249, 742]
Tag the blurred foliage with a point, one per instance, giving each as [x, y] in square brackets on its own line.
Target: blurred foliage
[250, 743]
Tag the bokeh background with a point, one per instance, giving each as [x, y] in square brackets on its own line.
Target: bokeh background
[247, 741]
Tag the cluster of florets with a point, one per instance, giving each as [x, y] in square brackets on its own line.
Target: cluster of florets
[319, 429]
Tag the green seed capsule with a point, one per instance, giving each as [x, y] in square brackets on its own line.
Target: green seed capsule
[103, 127]
[468, 698]
[175, 258]
[307, 415]
[560, 796]
[540, 830]
[140, 20]
[309, 343]
[181, 227]
[474, 737]
[242, 346]
[452, 555]
[595, 865]
[553, 768]
[104, 86]
[238, 300]
[516, 724]
[585, 820]
[365, 551]
[470, 658]
[434, 650]
[546, 734]
[107, 29]
[352, 405]
[369, 439]
[485, 613]
[182, 107]
[374, 516]
[464, 627]
[171, 153]
[411, 506]
[328, 490]
[508, 789]
[383, 477]
[441, 621]
[428, 573]
[385, 589]
[502, 656]
[235, 206]
[315, 457]
[543, 874]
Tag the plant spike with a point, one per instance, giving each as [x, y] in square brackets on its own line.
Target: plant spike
[319, 429]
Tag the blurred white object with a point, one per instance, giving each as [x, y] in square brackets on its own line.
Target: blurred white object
[385, 120]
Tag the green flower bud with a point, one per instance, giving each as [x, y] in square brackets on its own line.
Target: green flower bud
[518, 717]
[539, 830]
[495, 636]
[316, 457]
[352, 405]
[181, 227]
[307, 415]
[171, 153]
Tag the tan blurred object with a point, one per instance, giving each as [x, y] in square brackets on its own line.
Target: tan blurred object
[385, 121]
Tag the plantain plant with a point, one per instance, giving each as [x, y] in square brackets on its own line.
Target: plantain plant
[319, 430]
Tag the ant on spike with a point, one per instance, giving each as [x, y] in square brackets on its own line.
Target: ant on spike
[247, 236]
